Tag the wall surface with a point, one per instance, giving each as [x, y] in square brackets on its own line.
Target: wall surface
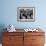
[8, 13]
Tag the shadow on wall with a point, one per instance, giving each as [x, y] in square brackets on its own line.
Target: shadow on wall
[2, 26]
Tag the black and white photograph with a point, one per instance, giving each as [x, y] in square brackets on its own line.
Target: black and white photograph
[26, 14]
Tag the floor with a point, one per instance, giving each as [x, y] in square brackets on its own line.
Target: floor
[0, 44]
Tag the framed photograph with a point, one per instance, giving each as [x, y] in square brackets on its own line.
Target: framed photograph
[26, 14]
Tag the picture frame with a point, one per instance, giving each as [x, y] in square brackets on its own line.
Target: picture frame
[26, 14]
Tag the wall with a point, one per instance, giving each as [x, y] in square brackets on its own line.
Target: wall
[8, 13]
